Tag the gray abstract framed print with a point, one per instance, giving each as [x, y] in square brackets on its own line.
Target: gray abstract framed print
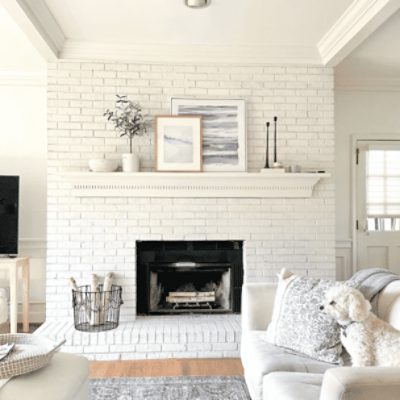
[224, 131]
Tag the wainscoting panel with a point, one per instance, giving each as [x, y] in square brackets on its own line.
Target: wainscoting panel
[344, 265]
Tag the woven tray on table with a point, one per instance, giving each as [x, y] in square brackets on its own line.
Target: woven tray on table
[31, 352]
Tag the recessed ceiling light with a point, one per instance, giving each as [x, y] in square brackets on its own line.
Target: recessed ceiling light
[197, 3]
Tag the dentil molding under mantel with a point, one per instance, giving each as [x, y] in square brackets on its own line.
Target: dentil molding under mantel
[206, 184]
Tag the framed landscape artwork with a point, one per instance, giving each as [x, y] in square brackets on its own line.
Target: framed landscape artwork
[224, 131]
[178, 143]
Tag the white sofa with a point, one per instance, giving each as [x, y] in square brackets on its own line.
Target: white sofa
[273, 373]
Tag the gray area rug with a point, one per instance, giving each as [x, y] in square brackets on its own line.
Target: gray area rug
[170, 388]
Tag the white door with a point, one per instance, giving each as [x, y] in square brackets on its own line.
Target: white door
[378, 205]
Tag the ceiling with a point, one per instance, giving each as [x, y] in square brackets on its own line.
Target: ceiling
[21, 54]
[316, 32]
[377, 58]
[225, 22]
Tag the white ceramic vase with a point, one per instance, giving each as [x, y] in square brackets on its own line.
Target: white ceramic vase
[130, 162]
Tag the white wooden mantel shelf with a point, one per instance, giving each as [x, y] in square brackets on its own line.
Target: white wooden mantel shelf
[168, 184]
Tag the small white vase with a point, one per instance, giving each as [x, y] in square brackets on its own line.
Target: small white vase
[130, 162]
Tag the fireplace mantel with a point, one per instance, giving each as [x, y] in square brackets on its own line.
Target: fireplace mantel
[169, 184]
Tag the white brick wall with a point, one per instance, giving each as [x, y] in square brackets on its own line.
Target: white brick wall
[99, 234]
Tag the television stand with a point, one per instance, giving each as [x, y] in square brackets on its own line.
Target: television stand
[13, 265]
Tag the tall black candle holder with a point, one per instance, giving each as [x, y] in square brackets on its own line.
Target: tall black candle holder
[267, 147]
[276, 166]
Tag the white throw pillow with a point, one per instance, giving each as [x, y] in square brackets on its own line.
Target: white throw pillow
[297, 321]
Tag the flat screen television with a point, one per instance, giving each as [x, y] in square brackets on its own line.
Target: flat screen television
[9, 201]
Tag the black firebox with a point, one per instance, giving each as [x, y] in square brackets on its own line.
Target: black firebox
[181, 277]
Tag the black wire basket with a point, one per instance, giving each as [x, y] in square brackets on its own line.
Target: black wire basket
[96, 311]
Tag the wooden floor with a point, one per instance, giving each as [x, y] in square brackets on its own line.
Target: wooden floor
[171, 367]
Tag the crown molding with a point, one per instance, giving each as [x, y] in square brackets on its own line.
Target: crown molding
[367, 84]
[36, 21]
[360, 19]
[307, 55]
[23, 78]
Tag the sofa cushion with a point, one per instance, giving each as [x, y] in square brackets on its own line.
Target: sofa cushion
[292, 386]
[297, 321]
[260, 358]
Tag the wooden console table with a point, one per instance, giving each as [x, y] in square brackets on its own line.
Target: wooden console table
[13, 265]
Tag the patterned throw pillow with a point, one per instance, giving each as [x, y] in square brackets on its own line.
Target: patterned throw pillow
[298, 323]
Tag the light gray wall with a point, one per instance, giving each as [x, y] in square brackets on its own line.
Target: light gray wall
[358, 112]
[23, 152]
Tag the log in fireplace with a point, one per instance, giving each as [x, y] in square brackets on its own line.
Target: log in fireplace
[175, 277]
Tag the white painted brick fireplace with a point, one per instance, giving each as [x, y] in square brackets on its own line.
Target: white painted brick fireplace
[98, 234]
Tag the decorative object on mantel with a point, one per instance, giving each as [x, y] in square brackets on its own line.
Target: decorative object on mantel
[96, 306]
[277, 166]
[276, 163]
[130, 122]
[267, 148]
[178, 143]
[224, 131]
[197, 3]
[186, 185]
[294, 169]
[103, 165]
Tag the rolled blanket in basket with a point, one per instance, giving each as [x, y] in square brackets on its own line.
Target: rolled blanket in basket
[95, 301]
[107, 286]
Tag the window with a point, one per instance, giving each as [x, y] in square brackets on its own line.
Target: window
[383, 188]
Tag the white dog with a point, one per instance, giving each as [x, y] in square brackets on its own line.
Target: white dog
[369, 340]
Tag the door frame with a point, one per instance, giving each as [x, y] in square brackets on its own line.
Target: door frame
[355, 138]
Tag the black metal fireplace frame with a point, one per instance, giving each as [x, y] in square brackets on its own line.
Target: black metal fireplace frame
[153, 255]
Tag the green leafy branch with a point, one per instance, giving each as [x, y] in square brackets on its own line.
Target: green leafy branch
[127, 118]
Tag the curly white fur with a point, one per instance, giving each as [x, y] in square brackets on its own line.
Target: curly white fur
[369, 340]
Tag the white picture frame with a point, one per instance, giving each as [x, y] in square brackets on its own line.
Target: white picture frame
[178, 143]
[224, 131]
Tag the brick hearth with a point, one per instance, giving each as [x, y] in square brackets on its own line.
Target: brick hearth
[208, 336]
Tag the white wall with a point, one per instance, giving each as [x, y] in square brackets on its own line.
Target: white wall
[358, 112]
[23, 152]
[23, 147]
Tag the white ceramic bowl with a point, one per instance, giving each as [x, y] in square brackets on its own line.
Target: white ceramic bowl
[103, 165]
